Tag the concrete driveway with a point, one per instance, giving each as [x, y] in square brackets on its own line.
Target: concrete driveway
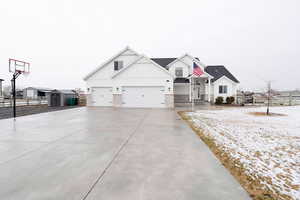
[109, 154]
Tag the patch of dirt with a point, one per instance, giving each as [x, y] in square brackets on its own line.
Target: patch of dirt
[265, 114]
[253, 186]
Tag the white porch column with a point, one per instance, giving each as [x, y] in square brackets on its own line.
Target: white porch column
[209, 89]
[190, 96]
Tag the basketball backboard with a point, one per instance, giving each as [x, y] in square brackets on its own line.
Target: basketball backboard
[18, 66]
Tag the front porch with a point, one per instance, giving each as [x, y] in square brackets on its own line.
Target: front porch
[192, 90]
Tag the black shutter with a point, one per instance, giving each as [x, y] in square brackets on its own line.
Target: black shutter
[116, 66]
[220, 89]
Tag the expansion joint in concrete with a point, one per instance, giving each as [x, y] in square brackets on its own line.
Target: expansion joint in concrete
[115, 156]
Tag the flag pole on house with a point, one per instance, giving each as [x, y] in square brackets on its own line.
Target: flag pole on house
[192, 96]
[197, 71]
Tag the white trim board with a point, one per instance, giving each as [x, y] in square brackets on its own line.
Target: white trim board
[216, 81]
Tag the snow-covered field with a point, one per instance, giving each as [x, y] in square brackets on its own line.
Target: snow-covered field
[267, 146]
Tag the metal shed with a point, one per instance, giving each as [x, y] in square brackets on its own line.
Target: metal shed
[61, 97]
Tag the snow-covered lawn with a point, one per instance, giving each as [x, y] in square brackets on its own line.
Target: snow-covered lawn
[267, 146]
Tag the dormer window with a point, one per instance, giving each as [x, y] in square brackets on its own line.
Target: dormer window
[118, 64]
[178, 72]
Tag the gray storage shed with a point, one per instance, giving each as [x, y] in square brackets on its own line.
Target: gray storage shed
[61, 97]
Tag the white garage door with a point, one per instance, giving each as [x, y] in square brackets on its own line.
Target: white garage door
[102, 96]
[147, 97]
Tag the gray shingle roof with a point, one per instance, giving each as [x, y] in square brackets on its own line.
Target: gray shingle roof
[181, 80]
[42, 89]
[163, 61]
[218, 71]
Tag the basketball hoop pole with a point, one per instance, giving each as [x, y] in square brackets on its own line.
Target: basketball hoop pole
[13, 83]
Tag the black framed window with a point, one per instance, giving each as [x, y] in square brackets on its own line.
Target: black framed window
[222, 89]
[118, 65]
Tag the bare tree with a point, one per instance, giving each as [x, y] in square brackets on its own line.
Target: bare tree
[7, 91]
[269, 97]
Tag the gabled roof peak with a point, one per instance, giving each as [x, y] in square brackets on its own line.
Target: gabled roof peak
[108, 61]
[218, 71]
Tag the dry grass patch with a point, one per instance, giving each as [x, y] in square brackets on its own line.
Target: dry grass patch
[265, 114]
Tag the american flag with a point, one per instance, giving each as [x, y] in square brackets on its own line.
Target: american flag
[197, 70]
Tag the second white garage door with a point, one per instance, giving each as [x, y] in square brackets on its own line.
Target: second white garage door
[147, 97]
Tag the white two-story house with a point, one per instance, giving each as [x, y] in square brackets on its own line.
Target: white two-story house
[130, 79]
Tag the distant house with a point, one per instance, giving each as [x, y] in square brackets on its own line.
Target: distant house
[130, 79]
[260, 98]
[36, 93]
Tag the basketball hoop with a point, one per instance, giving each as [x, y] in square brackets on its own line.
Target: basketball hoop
[17, 67]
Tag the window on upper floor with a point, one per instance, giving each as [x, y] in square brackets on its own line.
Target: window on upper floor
[118, 64]
[222, 89]
[178, 72]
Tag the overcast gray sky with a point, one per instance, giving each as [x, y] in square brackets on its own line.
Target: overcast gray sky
[64, 40]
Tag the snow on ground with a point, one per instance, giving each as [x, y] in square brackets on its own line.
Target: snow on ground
[267, 146]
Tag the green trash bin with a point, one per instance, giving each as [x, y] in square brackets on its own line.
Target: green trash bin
[75, 101]
[72, 101]
[69, 101]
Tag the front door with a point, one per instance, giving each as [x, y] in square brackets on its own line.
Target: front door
[197, 92]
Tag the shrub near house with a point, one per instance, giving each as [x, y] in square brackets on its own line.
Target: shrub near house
[219, 100]
[230, 100]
